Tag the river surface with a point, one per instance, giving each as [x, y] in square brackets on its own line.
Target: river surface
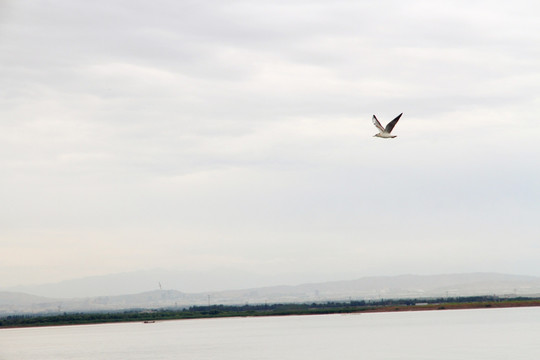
[510, 334]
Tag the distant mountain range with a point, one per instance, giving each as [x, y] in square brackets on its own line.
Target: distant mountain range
[367, 288]
[155, 279]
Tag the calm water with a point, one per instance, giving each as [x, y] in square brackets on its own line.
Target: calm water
[457, 334]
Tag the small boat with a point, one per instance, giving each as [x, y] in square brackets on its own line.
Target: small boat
[149, 321]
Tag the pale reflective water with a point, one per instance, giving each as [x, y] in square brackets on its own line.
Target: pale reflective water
[457, 334]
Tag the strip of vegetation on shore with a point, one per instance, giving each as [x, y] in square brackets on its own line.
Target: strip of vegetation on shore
[215, 311]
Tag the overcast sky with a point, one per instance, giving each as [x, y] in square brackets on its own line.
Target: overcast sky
[196, 135]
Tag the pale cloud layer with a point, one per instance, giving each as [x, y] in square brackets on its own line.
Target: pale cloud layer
[197, 135]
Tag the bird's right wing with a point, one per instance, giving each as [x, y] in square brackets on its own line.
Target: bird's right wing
[377, 123]
[391, 124]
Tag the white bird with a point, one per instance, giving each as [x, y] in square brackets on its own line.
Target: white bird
[385, 132]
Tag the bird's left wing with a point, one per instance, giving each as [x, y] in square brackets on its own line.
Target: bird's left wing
[377, 123]
[392, 123]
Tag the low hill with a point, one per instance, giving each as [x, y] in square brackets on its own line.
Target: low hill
[367, 288]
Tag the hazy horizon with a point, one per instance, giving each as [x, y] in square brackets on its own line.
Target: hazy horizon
[229, 285]
[230, 280]
[193, 136]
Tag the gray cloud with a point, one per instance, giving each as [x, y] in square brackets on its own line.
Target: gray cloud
[188, 134]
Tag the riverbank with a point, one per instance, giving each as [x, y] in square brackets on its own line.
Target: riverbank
[215, 311]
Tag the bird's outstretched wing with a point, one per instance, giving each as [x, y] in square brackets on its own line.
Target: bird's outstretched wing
[377, 123]
[392, 123]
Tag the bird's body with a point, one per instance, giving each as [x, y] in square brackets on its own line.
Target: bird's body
[385, 133]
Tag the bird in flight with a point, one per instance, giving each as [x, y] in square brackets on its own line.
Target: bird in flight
[385, 132]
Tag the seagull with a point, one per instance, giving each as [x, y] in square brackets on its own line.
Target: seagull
[385, 132]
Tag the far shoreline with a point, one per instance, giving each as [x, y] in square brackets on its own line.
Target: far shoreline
[266, 310]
